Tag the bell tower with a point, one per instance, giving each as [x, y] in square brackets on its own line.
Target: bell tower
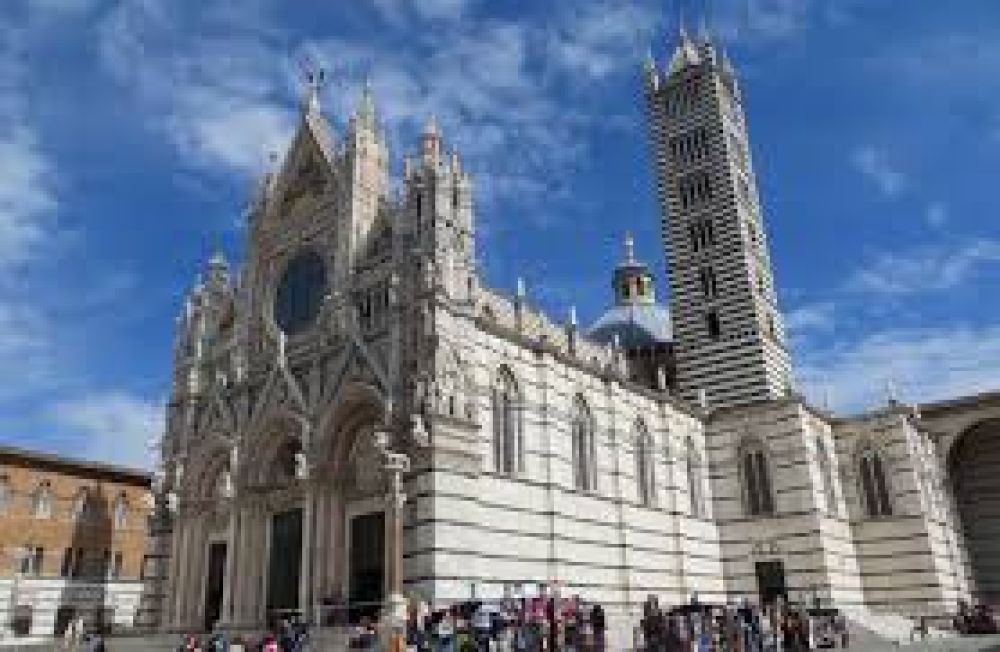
[728, 330]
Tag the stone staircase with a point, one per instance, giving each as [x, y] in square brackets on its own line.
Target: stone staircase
[892, 629]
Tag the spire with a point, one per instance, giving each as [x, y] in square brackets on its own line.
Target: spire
[632, 280]
[431, 140]
[366, 106]
[314, 82]
[217, 272]
[629, 248]
[685, 53]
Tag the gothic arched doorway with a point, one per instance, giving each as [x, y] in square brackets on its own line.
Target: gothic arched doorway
[974, 469]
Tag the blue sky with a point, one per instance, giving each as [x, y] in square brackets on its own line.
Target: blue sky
[131, 132]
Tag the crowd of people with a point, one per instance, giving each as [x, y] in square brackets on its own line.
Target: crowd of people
[742, 627]
[524, 624]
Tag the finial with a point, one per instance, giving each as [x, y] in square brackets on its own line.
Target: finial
[521, 292]
[572, 316]
[629, 247]
[431, 128]
[366, 105]
[890, 391]
[314, 77]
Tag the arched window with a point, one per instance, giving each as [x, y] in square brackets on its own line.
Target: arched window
[4, 493]
[584, 449]
[645, 479]
[41, 501]
[757, 495]
[874, 490]
[692, 469]
[506, 423]
[83, 508]
[121, 511]
[826, 469]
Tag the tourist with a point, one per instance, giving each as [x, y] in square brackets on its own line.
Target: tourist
[269, 644]
[599, 625]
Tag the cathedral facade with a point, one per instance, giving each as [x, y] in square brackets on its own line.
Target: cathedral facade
[356, 418]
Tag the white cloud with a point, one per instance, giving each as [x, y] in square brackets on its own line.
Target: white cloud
[27, 200]
[219, 100]
[112, 426]
[399, 11]
[602, 36]
[874, 164]
[924, 268]
[922, 364]
[811, 317]
[937, 214]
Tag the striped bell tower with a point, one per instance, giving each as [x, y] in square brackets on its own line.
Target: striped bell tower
[728, 332]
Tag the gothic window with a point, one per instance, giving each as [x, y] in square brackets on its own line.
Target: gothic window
[584, 448]
[83, 506]
[41, 501]
[300, 292]
[692, 469]
[644, 465]
[66, 568]
[874, 489]
[757, 492]
[121, 511]
[713, 325]
[31, 558]
[708, 284]
[507, 448]
[4, 493]
[826, 474]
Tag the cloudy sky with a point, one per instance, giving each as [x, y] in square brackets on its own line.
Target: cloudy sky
[131, 132]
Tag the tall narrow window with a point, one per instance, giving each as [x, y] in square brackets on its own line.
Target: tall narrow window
[692, 469]
[645, 477]
[116, 568]
[713, 325]
[83, 506]
[757, 493]
[507, 449]
[42, 500]
[874, 489]
[66, 568]
[121, 511]
[826, 469]
[584, 467]
[4, 493]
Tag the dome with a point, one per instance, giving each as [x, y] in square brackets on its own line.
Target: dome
[634, 324]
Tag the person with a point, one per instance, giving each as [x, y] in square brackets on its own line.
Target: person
[482, 625]
[71, 636]
[599, 626]
[270, 643]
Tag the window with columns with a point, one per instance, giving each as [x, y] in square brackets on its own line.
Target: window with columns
[584, 447]
[826, 474]
[875, 495]
[692, 469]
[758, 496]
[507, 449]
[645, 464]
[41, 501]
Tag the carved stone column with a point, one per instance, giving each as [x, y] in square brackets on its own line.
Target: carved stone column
[395, 465]
[308, 551]
[229, 583]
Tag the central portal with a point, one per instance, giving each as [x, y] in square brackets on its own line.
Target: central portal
[367, 576]
[214, 584]
[285, 564]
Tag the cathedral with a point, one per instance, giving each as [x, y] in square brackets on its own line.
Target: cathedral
[357, 418]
